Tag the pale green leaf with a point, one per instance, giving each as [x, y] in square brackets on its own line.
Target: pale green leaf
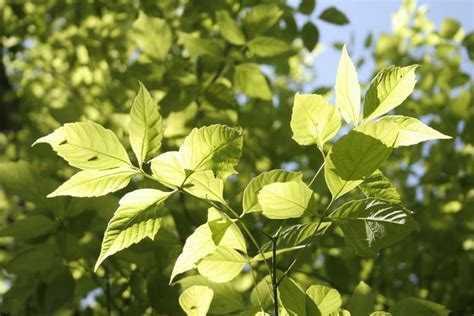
[227, 299]
[216, 147]
[196, 300]
[152, 35]
[412, 131]
[267, 46]
[250, 199]
[322, 298]
[282, 200]
[198, 245]
[314, 120]
[291, 296]
[138, 216]
[225, 231]
[418, 307]
[204, 185]
[88, 183]
[300, 233]
[347, 89]
[379, 186]
[379, 313]
[197, 46]
[87, 145]
[222, 265]
[229, 29]
[362, 301]
[249, 80]
[146, 126]
[168, 169]
[357, 155]
[388, 90]
[370, 225]
[260, 18]
[262, 293]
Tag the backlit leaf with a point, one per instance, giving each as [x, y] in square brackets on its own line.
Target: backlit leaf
[152, 35]
[322, 299]
[379, 186]
[222, 265]
[347, 89]
[261, 17]
[249, 80]
[229, 29]
[266, 46]
[196, 300]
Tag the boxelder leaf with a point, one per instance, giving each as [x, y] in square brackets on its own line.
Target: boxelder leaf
[89, 183]
[152, 35]
[196, 300]
[222, 265]
[250, 199]
[323, 300]
[357, 155]
[389, 89]
[314, 120]
[249, 80]
[87, 145]
[282, 200]
[333, 15]
[197, 46]
[412, 131]
[291, 296]
[260, 18]
[138, 216]
[146, 126]
[379, 186]
[347, 89]
[266, 46]
[370, 225]
[230, 30]
[362, 301]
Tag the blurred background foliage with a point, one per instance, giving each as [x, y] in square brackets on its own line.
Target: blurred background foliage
[231, 62]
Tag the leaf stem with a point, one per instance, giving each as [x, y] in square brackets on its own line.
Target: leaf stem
[274, 275]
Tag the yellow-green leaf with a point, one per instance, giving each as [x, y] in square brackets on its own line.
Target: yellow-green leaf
[222, 265]
[152, 35]
[87, 145]
[314, 120]
[267, 46]
[229, 29]
[146, 126]
[249, 80]
[196, 300]
[347, 89]
[88, 183]
[322, 299]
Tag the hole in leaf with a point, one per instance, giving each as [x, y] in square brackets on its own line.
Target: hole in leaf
[63, 142]
[93, 158]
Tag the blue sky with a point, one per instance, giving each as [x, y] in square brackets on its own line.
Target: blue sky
[372, 16]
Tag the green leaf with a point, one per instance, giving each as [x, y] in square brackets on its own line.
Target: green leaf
[291, 296]
[412, 131]
[379, 313]
[418, 307]
[227, 299]
[249, 80]
[314, 120]
[216, 147]
[138, 216]
[334, 16]
[229, 29]
[204, 185]
[260, 18]
[88, 183]
[266, 46]
[300, 233]
[152, 35]
[262, 293]
[310, 36]
[196, 300]
[379, 186]
[282, 200]
[225, 231]
[357, 155]
[222, 265]
[389, 88]
[87, 145]
[146, 126]
[197, 46]
[307, 6]
[322, 299]
[347, 89]
[250, 199]
[30, 227]
[362, 301]
[449, 28]
[370, 225]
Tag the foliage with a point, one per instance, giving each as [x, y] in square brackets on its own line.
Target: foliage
[229, 230]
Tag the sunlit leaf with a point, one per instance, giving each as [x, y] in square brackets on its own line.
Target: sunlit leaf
[87, 145]
[138, 216]
[261, 17]
[196, 300]
[222, 265]
[146, 126]
[362, 301]
[249, 80]
[266, 46]
[347, 89]
[379, 186]
[152, 35]
[229, 29]
[282, 200]
[322, 299]
[314, 121]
